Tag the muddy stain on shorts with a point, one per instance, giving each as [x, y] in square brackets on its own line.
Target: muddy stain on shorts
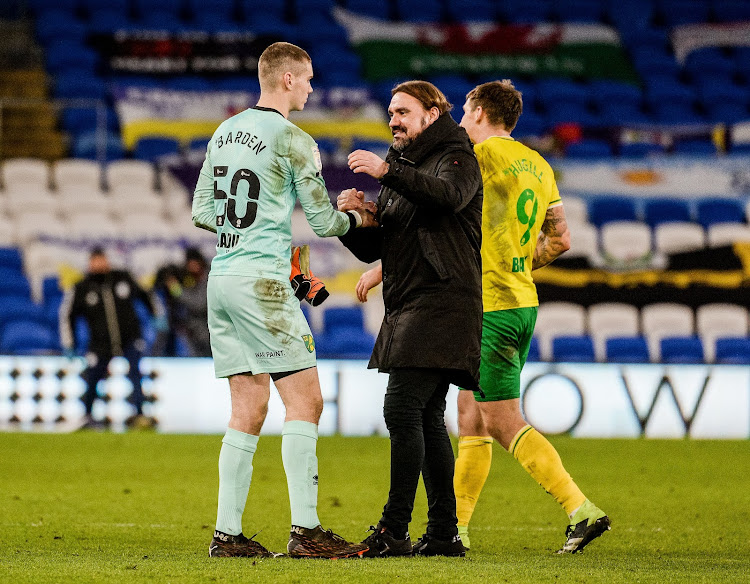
[272, 296]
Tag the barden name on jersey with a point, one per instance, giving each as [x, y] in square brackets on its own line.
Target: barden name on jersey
[245, 138]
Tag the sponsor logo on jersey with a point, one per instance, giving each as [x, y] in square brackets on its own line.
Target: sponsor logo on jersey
[309, 343]
[270, 354]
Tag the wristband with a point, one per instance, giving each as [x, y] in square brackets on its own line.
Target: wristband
[355, 219]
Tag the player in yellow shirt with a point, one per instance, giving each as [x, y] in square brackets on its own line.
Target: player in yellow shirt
[523, 229]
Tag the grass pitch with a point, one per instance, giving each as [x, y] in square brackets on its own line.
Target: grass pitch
[140, 507]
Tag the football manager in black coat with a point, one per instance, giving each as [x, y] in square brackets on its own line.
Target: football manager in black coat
[429, 211]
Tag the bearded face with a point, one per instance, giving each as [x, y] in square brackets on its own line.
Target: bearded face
[409, 118]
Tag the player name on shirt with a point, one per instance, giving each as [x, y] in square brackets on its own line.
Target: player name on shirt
[245, 138]
[228, 239]
[522, 165]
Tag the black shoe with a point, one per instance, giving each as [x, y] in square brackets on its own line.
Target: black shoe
[224, 545]
[429, 546]
[582, 533]
[321, 543]
[383, 544]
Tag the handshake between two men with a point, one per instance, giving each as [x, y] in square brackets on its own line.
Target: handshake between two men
[354, 200]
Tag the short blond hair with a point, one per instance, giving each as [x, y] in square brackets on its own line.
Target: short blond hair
[279, 58]
[500, 100]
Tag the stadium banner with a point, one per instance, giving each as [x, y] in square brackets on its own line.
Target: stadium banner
[340, 114]
[402, 49]
[683, 177]
[687, 38]
[160, 52]
[583, 400]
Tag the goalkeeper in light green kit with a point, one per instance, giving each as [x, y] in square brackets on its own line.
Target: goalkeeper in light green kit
[257, 165]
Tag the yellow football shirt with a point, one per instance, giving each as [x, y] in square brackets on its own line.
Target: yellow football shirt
[519, 187]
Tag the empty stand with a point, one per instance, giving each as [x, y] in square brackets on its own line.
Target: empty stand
[558, 319]
[624, 349]
[611, 319]
[626, 241]
[720, 234]
[573, 349]
[665, 319]
[678, 237]
[720, 320]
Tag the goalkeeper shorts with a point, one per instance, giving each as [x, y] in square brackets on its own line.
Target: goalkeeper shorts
[257, 326]
[506, 338]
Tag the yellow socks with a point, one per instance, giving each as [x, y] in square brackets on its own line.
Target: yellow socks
[472, 468]
[542, 462]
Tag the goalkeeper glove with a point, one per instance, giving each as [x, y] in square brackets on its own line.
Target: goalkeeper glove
[305, 284]
[300, 285]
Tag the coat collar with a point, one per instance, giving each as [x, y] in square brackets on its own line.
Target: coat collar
[441, 133]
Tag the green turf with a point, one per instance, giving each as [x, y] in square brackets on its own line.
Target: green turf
[140, 507]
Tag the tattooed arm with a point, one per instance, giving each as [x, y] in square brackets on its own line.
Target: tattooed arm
[554, 238]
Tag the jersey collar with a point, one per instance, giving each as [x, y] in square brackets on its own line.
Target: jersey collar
[267, 109]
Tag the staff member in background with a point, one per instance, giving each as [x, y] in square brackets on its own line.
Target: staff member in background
[430, 214]
[106, 298]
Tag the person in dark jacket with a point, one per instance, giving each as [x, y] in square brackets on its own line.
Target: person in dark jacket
[105, 299]
[430, 215]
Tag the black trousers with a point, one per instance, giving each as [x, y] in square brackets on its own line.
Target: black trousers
[98, 371]
[414, 411]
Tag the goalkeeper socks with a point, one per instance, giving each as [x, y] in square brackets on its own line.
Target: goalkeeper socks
[542, 462]
[298, 443]
[235, 474]
[472, 468]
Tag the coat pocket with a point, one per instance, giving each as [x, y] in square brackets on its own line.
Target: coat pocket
[431, 253]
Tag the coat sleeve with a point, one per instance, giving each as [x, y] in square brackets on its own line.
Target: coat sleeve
[458, 180]
[365, 243]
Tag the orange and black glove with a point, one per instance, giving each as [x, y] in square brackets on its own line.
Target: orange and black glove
[305, 284]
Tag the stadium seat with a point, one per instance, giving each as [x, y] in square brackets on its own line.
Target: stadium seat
[87, 146]
[478, 9]
[584, 241]
[607, 209]
[576, 209]
[626, 350]
[678, 237]
[665, 319]
[733, 350]
[153, 148]
[626, 241]
[422, 11]
[25, 173]
[720, 320]
[108, 20]
[695, 148]
[145, 260]
[710, 211]
[73, 173]
[79, 120]
[56, 25]
[676, 12]
[13, 282]
[522, 12]
[199, 9]
[20, 308]
[622, 114]
[611, 319]
[65, 54]
[373, 8]
[640, 149]
[726, 112]
[708, 59]
[145, 7]
[10, 259]
[585, 11]
[71, 199]
[681, 350]
[24, 337]
[660, 211]
[343, 333]
[589, 149]
[556, 319]
[533, 355]
[140, 226]
[131, 172]
[35, 224]
[573, 349]
[92, 5]
[721, 234]
[93, 227]
[72, 85]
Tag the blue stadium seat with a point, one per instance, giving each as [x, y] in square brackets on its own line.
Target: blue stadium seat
[607, 93]
[630, 15]
[559, 91]
[13, 282]
[708, 59]
[199, 143]
[41, 6]
[571, 112]
[162, 20]
[676, 12]
[534, 355]
[478, 9]
[202, 9]
[75, 86]
[522, 11]
[151, 148]
[606, 209]
[626, 350]
[94, 5]
[733, 350]
[455, 88]
[621, 114]
[640, 149]
[255, 12]
[422, 11]
[374, 8]
[20, 307]
[530, 124]
[188, 83]
[658, 211]
[86, 146]
[109, 20]
[146, 7]
[77, 120]
[51, 289]
[24, 337]
[57, 25]
[742, 61]
[656, 39]
[647, 63]
[681, 350]
[727, 113]
[586, 11]
[588, 149]
[711, 211]
[66, 54]
[342, 316]
[10, 259]
[573, 349]
[695, 147]
[344, 335]
[239, 84]
[211, 22]
[669, 112]
[712, 91]
[731, 10]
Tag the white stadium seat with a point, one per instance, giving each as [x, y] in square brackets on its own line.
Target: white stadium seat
[144, 226]
[576, 210]
[134, 173]
[75, 173]
[665, 319]
[678, 237]
[8, 230]
[35, 224]
[584, 241]
[92, 226]
[72, 200]
[25, 172]
[556, 319]
[146, 260]
[30, 200]
[143, 203]
[720, 234]
[720, 320]
[626, 241]
[611, 319]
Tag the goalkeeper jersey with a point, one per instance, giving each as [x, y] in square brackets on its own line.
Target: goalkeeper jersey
[519, 187]
[257, 165]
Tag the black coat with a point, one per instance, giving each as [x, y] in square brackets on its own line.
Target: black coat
[429, 239]
[107, 303]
